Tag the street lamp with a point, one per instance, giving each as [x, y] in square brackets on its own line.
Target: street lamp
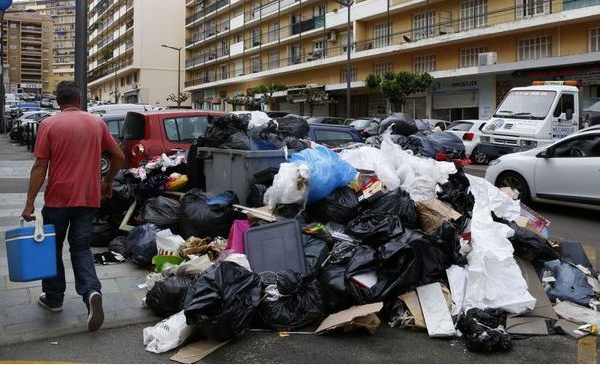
[4, 5]
[347, 4]
[178, 49]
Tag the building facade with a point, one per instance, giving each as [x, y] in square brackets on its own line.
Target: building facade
[475, 49]
[126, 60]
[62, 13]
[27, 53]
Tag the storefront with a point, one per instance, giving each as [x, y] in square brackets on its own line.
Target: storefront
[455, 99]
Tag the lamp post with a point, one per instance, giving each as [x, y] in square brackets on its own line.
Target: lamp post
[178, 49]
[4, 5]
[347, 4]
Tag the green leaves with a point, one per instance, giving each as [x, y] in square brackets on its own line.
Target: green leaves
[396, 86]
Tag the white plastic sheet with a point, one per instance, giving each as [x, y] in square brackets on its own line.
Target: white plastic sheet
[494, 279]
[167, 334]
[290, 185]
[396, 167]
[168, 243]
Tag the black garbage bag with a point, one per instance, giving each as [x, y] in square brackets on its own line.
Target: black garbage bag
[573, 252]
[231, 120]
[293, 143]
[153, 185]
[375, 228]
[119, 245]
[206, 215]
[531, 246]
[141, 244]
[456, 193]
[294, 127]
[400, 123]
[397, 202]
[483, 330]
[289, 301]
[238, 141]
[103, 230]
[123, 195]
[256, 194]
[341, 206]
[162, 211]
[315, 252]
[195, 167]
[332, 277]
[167, 297]
[429, 145]
[374, 141]
[222, 300]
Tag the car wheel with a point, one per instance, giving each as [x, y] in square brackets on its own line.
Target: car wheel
[104, 163]
[478, 157]
[514, 181]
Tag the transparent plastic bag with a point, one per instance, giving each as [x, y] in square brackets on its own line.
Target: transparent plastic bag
[167, 334]
[290, 185]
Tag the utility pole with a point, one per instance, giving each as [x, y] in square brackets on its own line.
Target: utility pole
[178, 49]
[81, 49]
[348, 4]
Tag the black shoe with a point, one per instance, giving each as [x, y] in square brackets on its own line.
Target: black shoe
[96, 315]
[52, 307]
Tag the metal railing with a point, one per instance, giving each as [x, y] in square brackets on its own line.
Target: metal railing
[204, 10]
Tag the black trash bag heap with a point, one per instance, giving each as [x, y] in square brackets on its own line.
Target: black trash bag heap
[119, 245]
[289, 301]
[103, 230]
[483, 330]
[227, 131]
[222, 301]
[316, 251]
[399, 123]
[206, 215]
[332, 276]
[163, 212]
[340, 206]
[167, 297]
[397, 202]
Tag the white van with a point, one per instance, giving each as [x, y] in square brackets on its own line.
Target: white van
[119, 108]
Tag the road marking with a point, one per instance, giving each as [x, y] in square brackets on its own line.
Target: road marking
[586, 350]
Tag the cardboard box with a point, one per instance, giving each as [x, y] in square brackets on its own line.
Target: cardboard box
[361, 316]
[433, 213]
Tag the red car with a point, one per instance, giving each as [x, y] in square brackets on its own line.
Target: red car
[149, 134]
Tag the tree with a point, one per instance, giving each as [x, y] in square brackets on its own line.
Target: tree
[178, 99]
[313, 96]
[239, 99]
[396, 86]
[268, 91]
[107, 53]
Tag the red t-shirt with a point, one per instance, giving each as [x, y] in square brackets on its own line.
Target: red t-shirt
[73, 142]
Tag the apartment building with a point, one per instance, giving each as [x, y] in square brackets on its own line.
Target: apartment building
[27, 52]
[126, 60]
[475, 49]
[62, 13]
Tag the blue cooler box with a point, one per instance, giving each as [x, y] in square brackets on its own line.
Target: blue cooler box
[31, 252]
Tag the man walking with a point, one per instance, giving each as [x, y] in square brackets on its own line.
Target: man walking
[70, 144]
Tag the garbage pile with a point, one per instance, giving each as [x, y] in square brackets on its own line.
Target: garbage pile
[345, 241]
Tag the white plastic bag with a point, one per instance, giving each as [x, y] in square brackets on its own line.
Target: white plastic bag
[240, 259]
[167, 334]
[196, 265]
[494, 279]
[167, 243]
[290, 185]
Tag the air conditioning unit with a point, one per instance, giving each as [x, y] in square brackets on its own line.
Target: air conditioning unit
[488, 58]
[332, 36]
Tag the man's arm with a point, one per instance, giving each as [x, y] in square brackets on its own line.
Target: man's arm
[116, 161]
[36, 180]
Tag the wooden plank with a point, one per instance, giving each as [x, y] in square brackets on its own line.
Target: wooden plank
[435, 310]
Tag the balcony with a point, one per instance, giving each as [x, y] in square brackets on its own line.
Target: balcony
[310, 24]
[205, 10]
[108, 70]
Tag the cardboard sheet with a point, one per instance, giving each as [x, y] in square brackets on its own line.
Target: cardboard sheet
[196, 351]
[346, 317]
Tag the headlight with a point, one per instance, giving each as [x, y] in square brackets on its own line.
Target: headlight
[528, 144]
[494, 162]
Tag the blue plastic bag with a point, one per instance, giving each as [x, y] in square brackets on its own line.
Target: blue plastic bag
[327, 171]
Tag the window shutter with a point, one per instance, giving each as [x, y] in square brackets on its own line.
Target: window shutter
[519, 6]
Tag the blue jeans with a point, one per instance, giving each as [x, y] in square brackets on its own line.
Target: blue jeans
[79, 222]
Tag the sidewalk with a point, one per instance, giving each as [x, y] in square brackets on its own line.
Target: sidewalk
[21, 318]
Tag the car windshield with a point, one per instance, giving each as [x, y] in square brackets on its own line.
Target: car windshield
[526, 104]
[594, 107]
[460, 126]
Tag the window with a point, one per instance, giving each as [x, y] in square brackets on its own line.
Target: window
[319, 49]
[473, 14]
[423, 25]
[584, 146]
[122, 81]
[353, 75]
[295, 54]
[535, 48]
[256, 37]
[469, 57]
[255, 64]
[273, 31]
[382, 34]
[424, 64]
[274, 60]
[224, 71]
[239, 68]
[566, 105]
[383, 67]
[460, 126]
[135, 77]
[333, 138]
[185, 128]
[345, 40]
[595, 40]
[532, 7]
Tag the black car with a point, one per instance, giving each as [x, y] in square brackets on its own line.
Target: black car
[277, 114]
[326, 120]
[591, 114]
[333, 136]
